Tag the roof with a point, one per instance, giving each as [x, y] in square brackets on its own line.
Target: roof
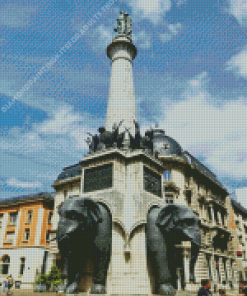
[165, 145]
[239, 208]
[202, 168]
[17, 199]
[70, 172]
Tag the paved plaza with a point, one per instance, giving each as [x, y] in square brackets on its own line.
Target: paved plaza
[30, 293]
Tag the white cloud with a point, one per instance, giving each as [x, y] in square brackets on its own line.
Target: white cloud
[238, 64]
[172, 30]
[22, 142]
[105, 34]
[152, 10]
[217, 133]
[142, 40]
[241, 194]
[66, 122]
[20, 184]
[238, 8]
[57, 140]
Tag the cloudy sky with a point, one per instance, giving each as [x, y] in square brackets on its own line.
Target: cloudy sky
[190, 76]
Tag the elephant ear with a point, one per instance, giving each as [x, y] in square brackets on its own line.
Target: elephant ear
[90, 210]
[167, 218]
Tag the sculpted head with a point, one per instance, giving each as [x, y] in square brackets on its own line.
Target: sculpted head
[77, 214]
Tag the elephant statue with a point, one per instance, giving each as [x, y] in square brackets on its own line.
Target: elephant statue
[167, 226]
[84, 231]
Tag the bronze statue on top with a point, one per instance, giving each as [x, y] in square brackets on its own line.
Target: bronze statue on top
[124, 24]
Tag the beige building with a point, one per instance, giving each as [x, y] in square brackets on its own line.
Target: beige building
[240, 237]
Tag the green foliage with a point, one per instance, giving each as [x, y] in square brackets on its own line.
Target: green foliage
[42, 279]
[52, 279]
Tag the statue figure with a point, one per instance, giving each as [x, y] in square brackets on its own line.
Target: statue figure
[84, 231]
[166, 227]
[124, 24]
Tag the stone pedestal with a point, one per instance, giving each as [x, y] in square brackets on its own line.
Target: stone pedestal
[129, 202]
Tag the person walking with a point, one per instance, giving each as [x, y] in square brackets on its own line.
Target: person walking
[5, 285]
[205, 289]
[222, 292]
[244, 290]
[10, 284]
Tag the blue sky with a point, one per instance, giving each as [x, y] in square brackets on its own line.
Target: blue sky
[190, 76]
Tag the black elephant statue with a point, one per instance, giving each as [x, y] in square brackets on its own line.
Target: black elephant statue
[84, 231]
[167, 226]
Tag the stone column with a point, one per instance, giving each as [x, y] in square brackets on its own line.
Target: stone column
[186, 259]
[51, 260]
[219, 217]
[212, 214]
[121, 104]
[212, 263]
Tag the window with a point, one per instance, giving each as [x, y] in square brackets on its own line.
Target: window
[27, 234]
[167, 175]
[188, 197]
[10, 237]
[5, 264]
[22, 266]
[169, 198]
[29, 216]
[49, 217]
[1, 220]
[47, 236]
[13, 218]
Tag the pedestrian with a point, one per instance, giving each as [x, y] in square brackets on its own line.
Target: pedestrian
[205, 289]
[222, 292]
[244, 290]
[5, 285]
[10, 284]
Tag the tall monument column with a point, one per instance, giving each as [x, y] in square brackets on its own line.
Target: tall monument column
[121, 109]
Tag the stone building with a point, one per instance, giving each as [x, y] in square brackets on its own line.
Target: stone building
[240, 238]
[25, 225]
[130, 173]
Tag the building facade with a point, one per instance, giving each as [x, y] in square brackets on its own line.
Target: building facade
[25, 225]
[240, 237]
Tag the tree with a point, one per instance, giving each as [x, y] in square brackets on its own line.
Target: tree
[54, 277]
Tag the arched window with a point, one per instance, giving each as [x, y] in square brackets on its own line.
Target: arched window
[167, 175]
[5, 264]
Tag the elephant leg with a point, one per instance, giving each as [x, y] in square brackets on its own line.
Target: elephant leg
[102, 252]
[73, 275]
[194, 255]
[157, 249]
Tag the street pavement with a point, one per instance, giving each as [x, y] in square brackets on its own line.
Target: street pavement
[30, 293]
